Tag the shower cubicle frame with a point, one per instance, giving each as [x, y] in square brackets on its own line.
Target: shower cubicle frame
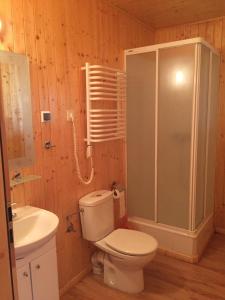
[195, 114]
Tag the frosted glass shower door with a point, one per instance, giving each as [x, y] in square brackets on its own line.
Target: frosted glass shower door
[175, 103]
[212, 126]
[141, 74]
[202, 133]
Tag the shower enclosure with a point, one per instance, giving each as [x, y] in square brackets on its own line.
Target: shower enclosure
[172, 92]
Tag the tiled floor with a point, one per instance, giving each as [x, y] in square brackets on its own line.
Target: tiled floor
[168, 278]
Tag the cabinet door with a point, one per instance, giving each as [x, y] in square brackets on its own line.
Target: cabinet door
[45, 277]
[24, 283]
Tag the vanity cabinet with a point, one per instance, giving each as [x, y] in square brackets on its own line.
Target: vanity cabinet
[44, 276]
[37, 275]
[24, 283]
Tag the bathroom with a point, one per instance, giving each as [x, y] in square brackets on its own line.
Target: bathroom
[55, 47]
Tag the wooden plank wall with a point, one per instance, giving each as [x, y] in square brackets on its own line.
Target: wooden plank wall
[59, 37]
[213, 32]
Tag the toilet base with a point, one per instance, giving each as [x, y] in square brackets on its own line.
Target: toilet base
[122, 278]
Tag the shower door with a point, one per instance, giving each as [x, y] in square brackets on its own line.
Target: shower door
[175, 108]
[141, 70]
[212, 133]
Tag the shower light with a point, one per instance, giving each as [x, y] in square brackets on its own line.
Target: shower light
[179, 77]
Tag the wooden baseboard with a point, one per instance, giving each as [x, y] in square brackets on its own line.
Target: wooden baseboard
[75, 280]
[220, 230]
[180, 256]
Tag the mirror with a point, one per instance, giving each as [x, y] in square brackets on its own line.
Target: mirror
[16, 98]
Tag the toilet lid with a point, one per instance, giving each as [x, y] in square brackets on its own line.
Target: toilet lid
[131, 242]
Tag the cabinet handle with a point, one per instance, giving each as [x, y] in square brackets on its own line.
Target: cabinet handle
[38, 267]
[25, 274]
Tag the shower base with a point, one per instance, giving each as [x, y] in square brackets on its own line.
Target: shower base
[179, 243]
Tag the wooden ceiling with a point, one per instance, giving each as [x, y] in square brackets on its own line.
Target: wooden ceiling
[163, 13]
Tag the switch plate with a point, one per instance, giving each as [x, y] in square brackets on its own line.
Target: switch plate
[45, 116]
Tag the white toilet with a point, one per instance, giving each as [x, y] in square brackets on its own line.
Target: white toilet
[124, 252]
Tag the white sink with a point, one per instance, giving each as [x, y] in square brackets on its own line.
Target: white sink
[32, 228]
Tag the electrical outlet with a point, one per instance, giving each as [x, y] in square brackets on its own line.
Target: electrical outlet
[69, 115]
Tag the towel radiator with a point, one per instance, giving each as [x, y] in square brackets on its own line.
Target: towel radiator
[105, 103]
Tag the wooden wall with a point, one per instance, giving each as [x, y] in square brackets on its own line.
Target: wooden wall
[59, 37]
[213, 32]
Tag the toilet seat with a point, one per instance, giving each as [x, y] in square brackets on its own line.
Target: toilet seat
[131, 242]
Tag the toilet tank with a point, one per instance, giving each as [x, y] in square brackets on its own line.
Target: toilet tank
[97, 215]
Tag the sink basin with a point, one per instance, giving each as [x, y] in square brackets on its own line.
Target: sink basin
[32, 228]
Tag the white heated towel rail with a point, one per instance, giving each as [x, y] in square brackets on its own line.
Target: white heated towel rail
[105, 103]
